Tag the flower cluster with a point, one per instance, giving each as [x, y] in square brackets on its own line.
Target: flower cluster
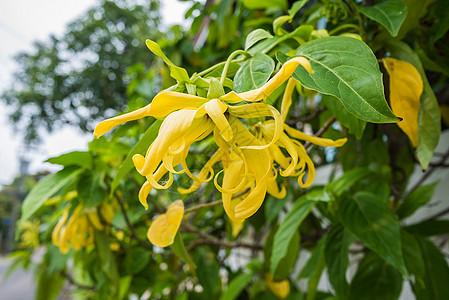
[251, 156]
[77, 229]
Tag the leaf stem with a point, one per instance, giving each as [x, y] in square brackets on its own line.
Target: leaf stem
[228, 62]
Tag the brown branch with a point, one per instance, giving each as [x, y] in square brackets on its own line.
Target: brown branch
[307, 118]
[321, 131]
[144, 243]
[208, 239]
[201, 206]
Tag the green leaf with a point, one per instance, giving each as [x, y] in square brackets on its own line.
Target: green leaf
[287, 230]
[106, 257]
[46, 188]
[415, 200]
[273, 207]
[347, 69]
[178, 73]
[337, 259]
[429, 227]
[369, 218]
[296, 7]
[415, 10]
[180, 250]
[436, 273]
[347, 180]
[429, 121]
[375, 280]
[254, 73]
[207, 271]
[317, 258]
[90, 192]
[141, 147]
[215, 89]
[256, 36]
[286, 264]
[348, 120]
[259, 4]
[77, 158]
[412, 256]
[236, 286]
[49, 284]
[136, 260]
[390, 14]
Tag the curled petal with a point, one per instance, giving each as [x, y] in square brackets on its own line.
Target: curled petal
[215, 109]
[287, 98]
[163, 230]
[313, 139]
[287, 70]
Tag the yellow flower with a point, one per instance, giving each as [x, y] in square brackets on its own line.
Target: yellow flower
[190, 118]
[280, 289]
[78, 230]
[163, 230]
[30, 234]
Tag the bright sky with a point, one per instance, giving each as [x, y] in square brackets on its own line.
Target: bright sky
[21, 23]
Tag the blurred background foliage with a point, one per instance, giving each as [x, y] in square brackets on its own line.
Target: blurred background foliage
[101, 67]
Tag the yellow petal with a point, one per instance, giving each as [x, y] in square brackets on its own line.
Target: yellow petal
[174, 127]
[56, 234]
[163, 230]
[236, 228]
[287, 70]
[406, 87]
[310, 167]
[215, 109]
[280, 288]
[287, 98]
[255, 110]
[108, 124]
[167, 102]
[313, 139]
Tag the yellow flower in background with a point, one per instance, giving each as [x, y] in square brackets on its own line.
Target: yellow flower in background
[280, 289]
[78, 229]
[30, 234]
[163, 230]
[190, 118]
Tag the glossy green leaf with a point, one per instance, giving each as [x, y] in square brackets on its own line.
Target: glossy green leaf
[390, 14]
[180, 250]
[215, 89]
[273, 207]
[207, 271]
[178, 73]
[416, 199]
[49, 284]
[259, 4]
[136, 260]
[310, 268]
[236, 286]
[337, 260]
[355, 125]
[375, 280]
[347, 180]
[347, 69]
[77, 158]
[90, 192]
[412, 256]
[254, 73]
[141, 147]
[429, 121]
[285, 266]
[429, 227]
[287, 230]
[415, 10]
[436, 273]
[369, 218]
[46, 188]
[296, 7]
[256, 36]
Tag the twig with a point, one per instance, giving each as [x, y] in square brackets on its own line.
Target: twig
[130, 226]
[208, 239]
[201, 206]
[437, 215]
[321, 131]
[74, 283]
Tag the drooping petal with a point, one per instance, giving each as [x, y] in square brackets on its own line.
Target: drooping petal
[305, 159]
[215, 109]
[167, 102]
[287, 98]
[313, 139]
[163, 230]
[287, 70]
[280, 288]
[108, 124]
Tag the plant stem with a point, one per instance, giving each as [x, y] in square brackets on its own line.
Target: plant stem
[228, 62]
[321, 131]
[201, 206]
